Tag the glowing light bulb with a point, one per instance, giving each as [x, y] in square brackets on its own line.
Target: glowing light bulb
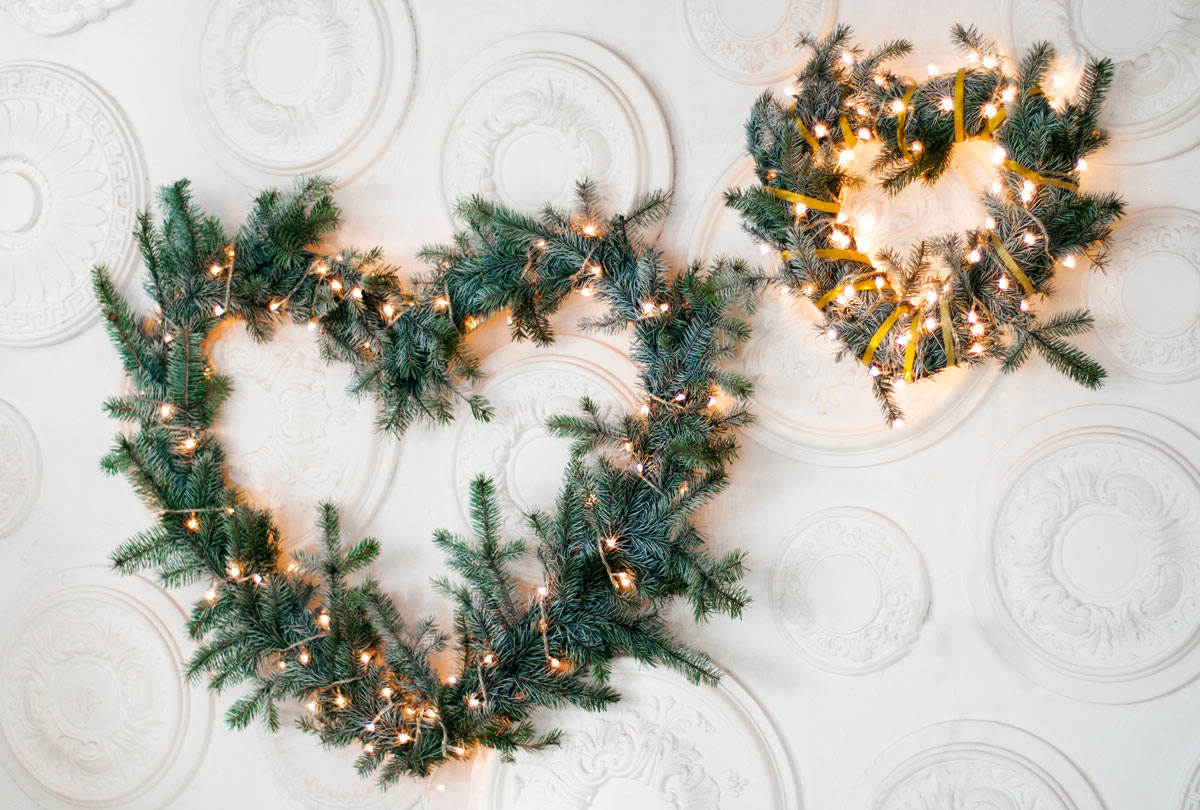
[764, 248]
[257, 579]
[589, 230]
[555, 663]
[624, 580]
[451, 679]
[946, 104]
[664, 307]
[916, 146]
[311, 706]
[842, 217]
[864, 134]
[1029, 238]
[897, 105]
[323, 620]
[1057, 80]
[973, 56]
[990, 61]
[441, 302]
[193, 523]
[543, 591]
[801, 209]
[189, 443]
[282, 665]
[368, 749]
[168, 337]
[473, 702]
[996, 187]
[820, 130]
[215, 269]
[972, 317]
[388, 310]
[312, 324]
[610, 542]
[365, 657]
[931, 296]
[932, 69]
[898, 422]
[403, 738]
[990, 223]
[998, 155]
[931, 323]
[385, 692]
[874, 370]
[990, 110]
[540, 244]
[1069, 261]
[274, 306]
[1002, 282]
[218, 310]
[340, 701]
[471, 323]
[489, 659]
[1024, 305]
[879, 80]
[304, 658]
[977, 329]
[680, 397]
[335, 285]
[1081, 165]
[846, 156]
[977, 348]
[1008, 94]
[356, 293]
[880, 281]
[974, 256]
[211, 595]
[848, 57]
[597, 270]
[459, 751]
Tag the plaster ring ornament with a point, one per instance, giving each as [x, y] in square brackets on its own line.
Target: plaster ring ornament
[1087, 576]
[563, 103]
[94, 712]
[71, 184]
[289, 87]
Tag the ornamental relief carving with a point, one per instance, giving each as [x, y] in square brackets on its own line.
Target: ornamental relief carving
[301, 86]
[94, 711]
[20, 468]
[1152, 335]
[57, 17]
[71, 182]
[973, 764]
[563, 104]
[850, 591]
[667, 744]
[754, 43]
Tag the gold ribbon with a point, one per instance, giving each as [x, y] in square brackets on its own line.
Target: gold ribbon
[900, 119]
[804, 131]
[849, 255]
[890, 321]
[993, 122]
[1041, 180]
[910, 351]
[847, 133]
[948, 333]
[959, 129]
[824, 300]
[811, 202]
[1012, 265]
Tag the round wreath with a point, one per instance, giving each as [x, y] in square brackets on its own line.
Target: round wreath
[957, 298]
[618, 547]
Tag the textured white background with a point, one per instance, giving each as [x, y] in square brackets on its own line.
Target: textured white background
[996, 607]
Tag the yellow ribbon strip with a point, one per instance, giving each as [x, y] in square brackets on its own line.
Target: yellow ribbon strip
[948, 333]
[847, 133]
[1041, 180]
[1012, 265]
[811, 202]
[900, 119]
[910, 351]
[824, 300]
[959, 129]
[804, 131]
[869, 354]
[993, 122]
[850, 255]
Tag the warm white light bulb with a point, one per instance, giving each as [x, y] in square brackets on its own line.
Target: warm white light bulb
[946, 104]
[820, 130]
[897, 105]
[1069, 261]
[990, 110]
[974, 256]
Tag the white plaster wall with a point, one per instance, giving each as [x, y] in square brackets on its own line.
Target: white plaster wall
[996, 607]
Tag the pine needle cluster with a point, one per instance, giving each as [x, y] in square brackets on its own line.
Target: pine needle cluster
[619, 546]
[954, 299]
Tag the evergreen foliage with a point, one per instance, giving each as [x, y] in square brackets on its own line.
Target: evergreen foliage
[619, 546]
[954, 297]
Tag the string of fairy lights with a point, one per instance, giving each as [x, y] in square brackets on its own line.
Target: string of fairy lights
[400, 716]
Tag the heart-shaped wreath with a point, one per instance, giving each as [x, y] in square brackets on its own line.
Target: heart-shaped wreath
[957, 298]
[618, 547]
